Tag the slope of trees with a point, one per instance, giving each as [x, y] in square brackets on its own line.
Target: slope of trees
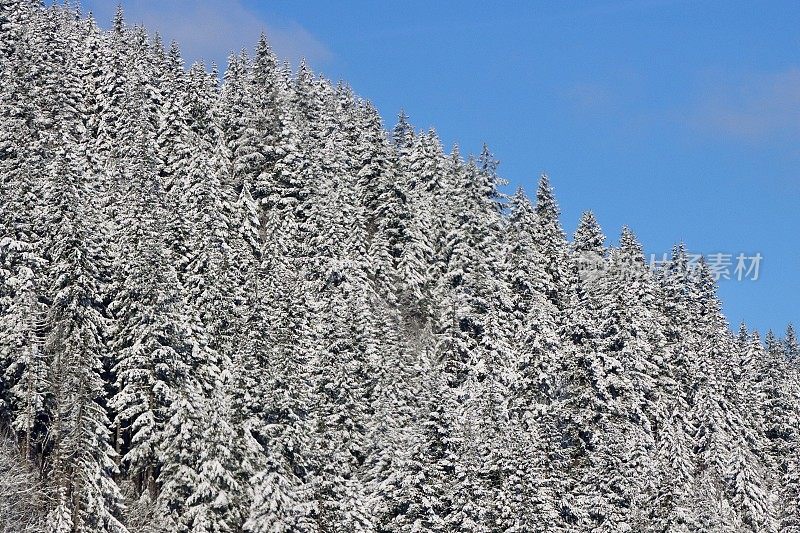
[245, 306]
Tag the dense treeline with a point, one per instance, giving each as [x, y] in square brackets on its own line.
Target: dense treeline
[243, 306]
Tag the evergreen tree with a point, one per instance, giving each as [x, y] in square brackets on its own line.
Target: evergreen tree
[83, 460]
[151, 339]
[792, 347]
[550, 239]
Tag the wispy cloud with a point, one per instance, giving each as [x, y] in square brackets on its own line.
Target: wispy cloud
[212, 29]
[751, 107]
[586, 96]
[621, 100]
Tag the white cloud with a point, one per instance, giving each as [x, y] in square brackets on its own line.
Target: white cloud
[212, 29]
[752, 107]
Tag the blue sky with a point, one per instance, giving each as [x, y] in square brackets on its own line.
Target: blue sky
[680, 119]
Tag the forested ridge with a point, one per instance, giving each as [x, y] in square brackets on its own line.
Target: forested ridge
[236, 303]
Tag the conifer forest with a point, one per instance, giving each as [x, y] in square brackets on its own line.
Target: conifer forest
[237, 301]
